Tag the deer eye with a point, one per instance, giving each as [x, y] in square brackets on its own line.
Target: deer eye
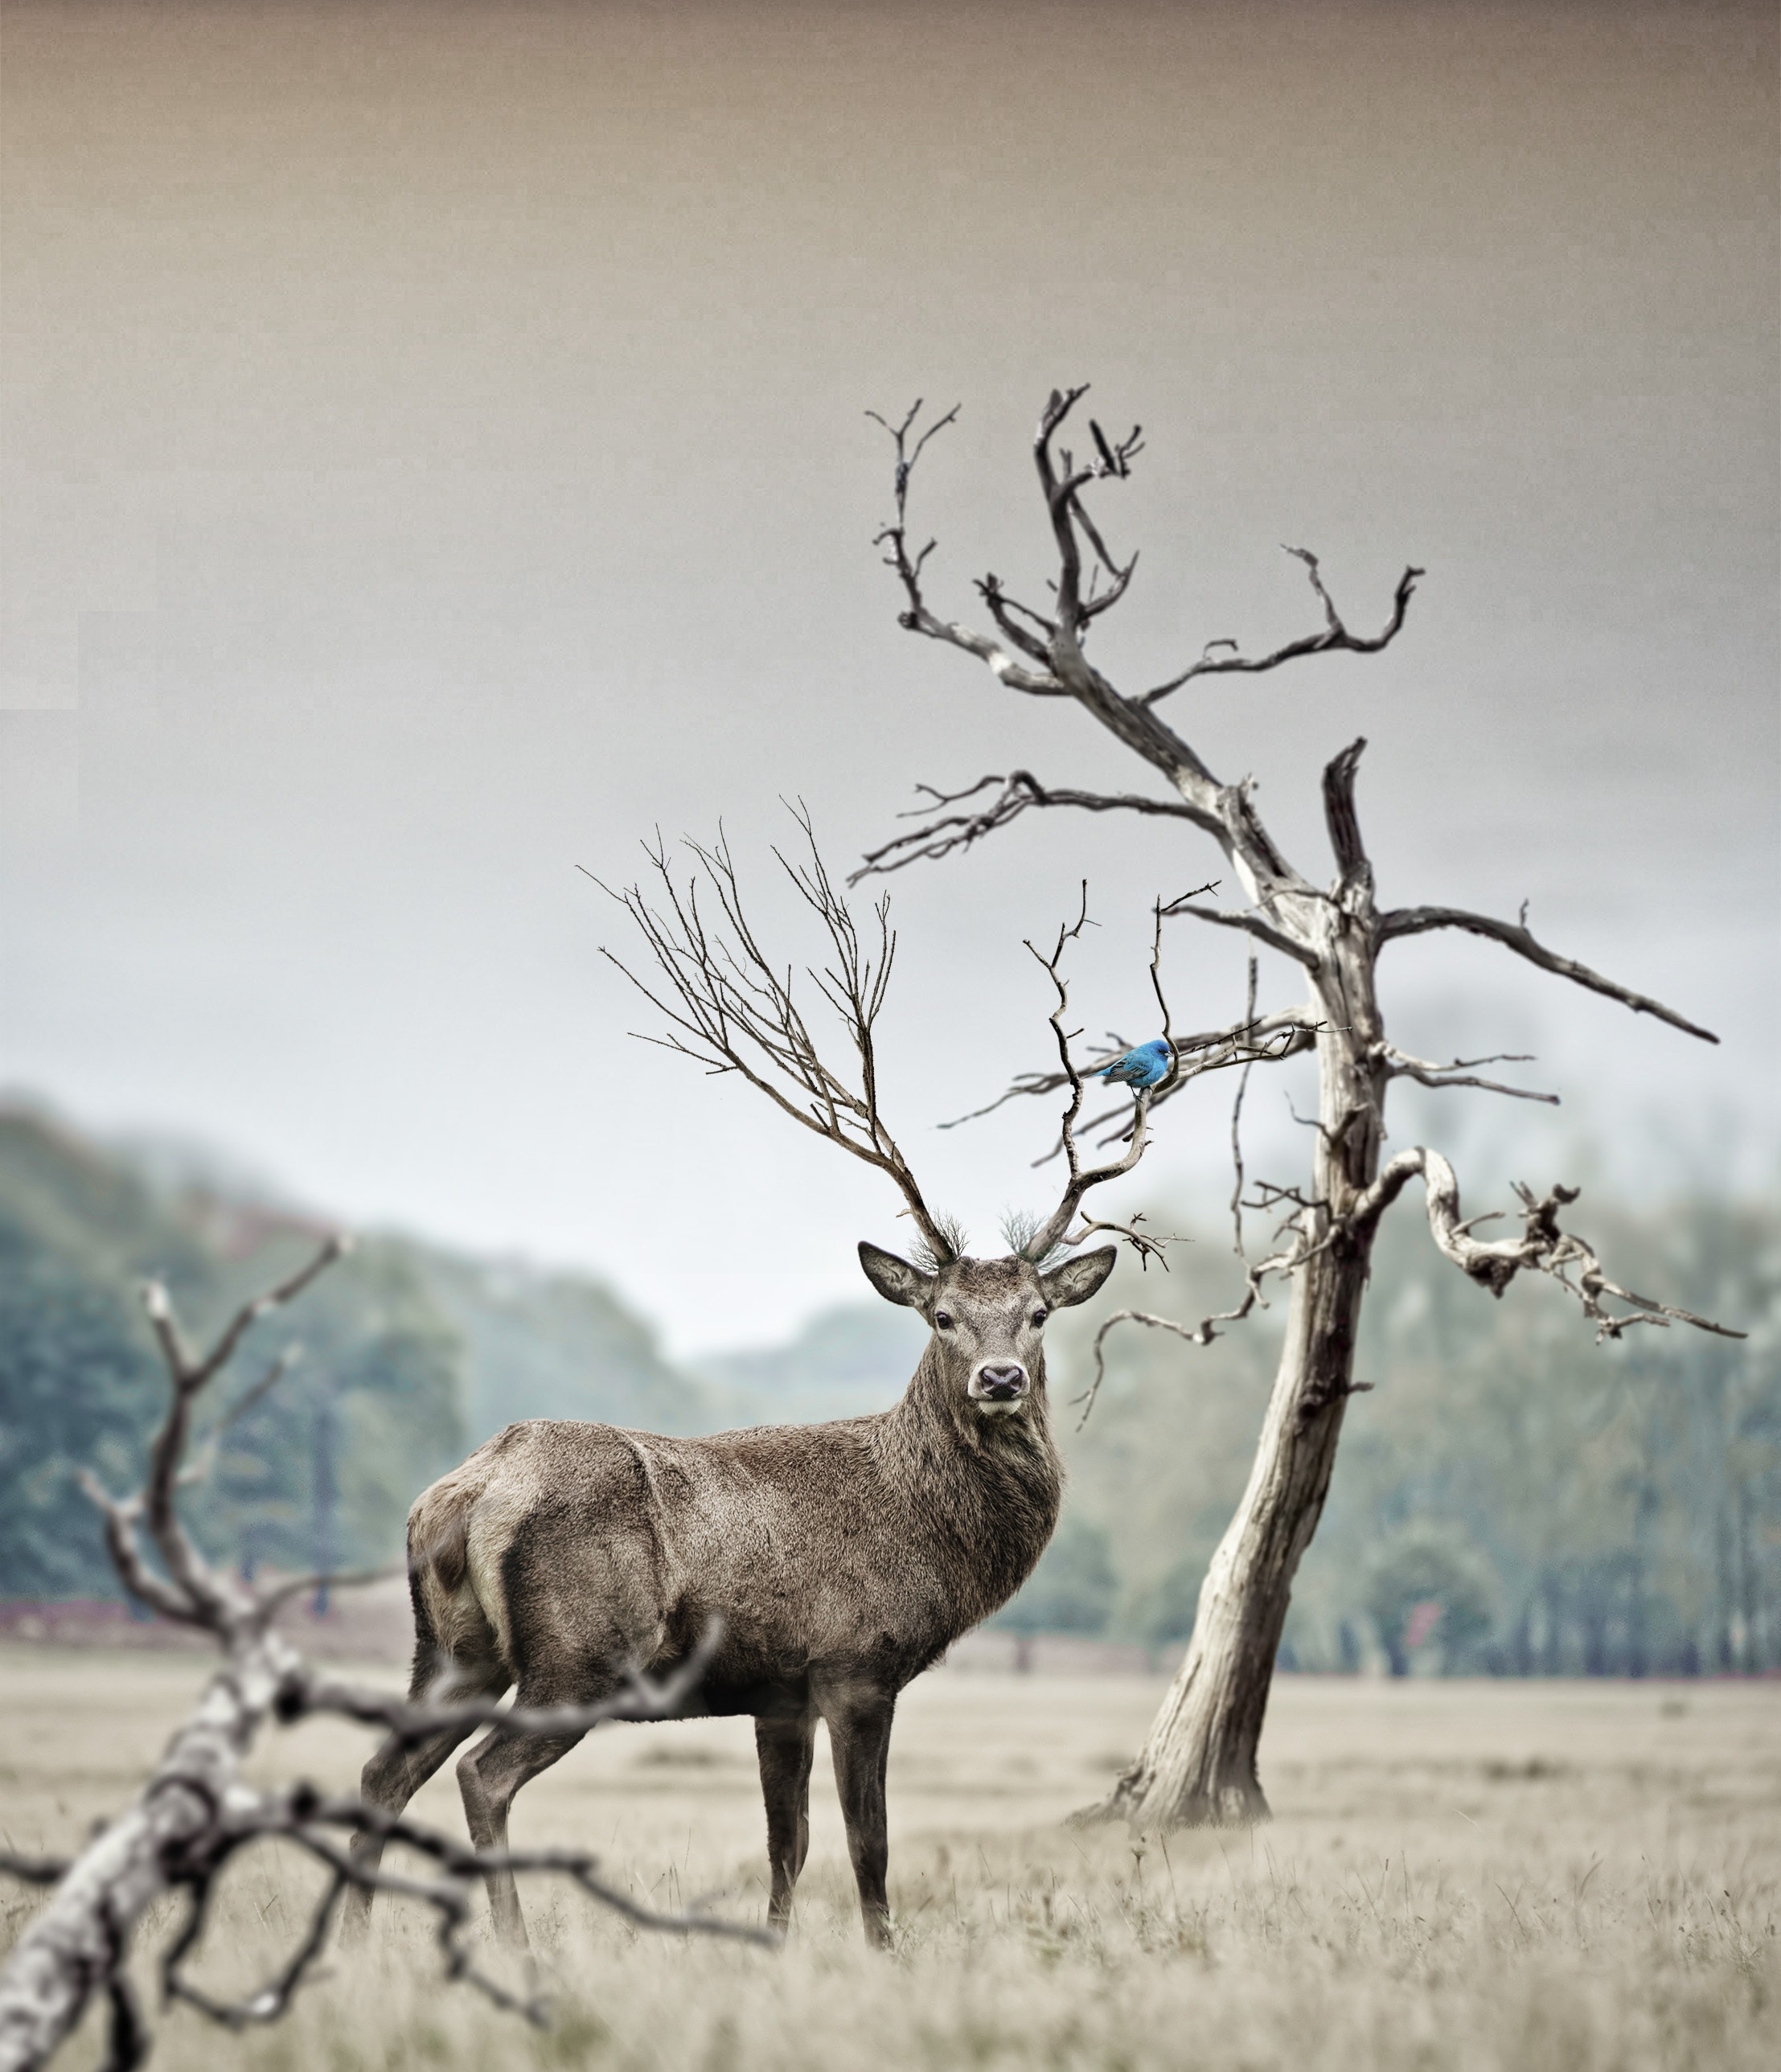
[943, 1321]
[1040, 1317]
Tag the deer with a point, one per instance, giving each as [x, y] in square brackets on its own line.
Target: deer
[822, 1567]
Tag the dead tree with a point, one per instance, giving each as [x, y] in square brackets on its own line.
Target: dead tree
[1198, 1764]
[194, 1814]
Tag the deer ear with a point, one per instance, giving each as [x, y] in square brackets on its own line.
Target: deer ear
[1077, 1279]
[895, 1279]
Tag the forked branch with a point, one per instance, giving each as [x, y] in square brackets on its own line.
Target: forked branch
[196, 1815]
[1205, 1332]
[1461, 1072]
[1542, 1248]
[907, 563]
[945, 832]
[1251, 923]
[1055, 1230]
[1222, 658]
[1270, 1038]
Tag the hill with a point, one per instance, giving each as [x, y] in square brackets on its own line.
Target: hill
[410, 1355]
[845, 1361]
[1508, 1496]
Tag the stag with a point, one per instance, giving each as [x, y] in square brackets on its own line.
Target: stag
[836, 1561]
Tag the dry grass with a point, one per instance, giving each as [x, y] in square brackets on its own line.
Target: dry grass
[1460, 1875]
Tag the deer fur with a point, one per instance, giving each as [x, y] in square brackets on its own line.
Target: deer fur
[842, 1560]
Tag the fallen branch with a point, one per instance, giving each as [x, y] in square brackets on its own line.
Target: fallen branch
[195, 1813]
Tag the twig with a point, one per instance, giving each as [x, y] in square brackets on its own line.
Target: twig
[941, 835]
[1335, 636]
[1401, 1065]
[1051, 1233]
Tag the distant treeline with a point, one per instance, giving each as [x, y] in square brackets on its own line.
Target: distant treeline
[1509, 1497]
[408, 1356]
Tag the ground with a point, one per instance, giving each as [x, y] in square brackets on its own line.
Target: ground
[1463, 1875]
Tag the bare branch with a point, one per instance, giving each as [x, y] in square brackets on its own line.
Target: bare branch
[1267, 1040]
[303, 1695]
[1335, 637]
[198, 1469]
[1401, 1065]
[213, 1601]
[1156, 966]
[1543, 1246]
[1340, 819]
[907, 565]
[941, 836]
[272, 1600]
[274, 1999]
[1146, 1245]
[1252, 924]
[729, 1007]
[1204, 1332]
[1515, 935]
[461, 1869]
[34, 1870]
[120, 1515]
[1007, 612]
[193, 1375]
[1051, 1233]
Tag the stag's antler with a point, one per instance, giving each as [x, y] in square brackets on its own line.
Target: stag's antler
[1055, 1230]
[731, 1009]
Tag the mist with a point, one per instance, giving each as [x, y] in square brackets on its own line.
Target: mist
[436, 456]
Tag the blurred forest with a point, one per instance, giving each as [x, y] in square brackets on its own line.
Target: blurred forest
[410, 1355]
[1509, 1498]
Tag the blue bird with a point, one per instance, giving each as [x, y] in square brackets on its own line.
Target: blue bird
[1146, 1067]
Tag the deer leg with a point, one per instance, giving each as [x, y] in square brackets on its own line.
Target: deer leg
[397, 1771]
[786, 1747]
[489, 1776]
[859, 1738]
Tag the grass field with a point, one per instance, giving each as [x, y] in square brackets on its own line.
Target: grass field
[1524, 1875]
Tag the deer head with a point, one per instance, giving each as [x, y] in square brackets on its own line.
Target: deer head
[988, 1317]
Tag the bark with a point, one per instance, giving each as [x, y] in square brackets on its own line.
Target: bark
[1198, 1765]
[74, 1945]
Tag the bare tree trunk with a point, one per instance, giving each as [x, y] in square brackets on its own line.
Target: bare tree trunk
[1199, 1763]
[1198, 1766]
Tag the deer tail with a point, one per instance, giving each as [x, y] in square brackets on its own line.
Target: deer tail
[452, 1629]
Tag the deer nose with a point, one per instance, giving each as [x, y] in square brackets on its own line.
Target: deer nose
[1000, 1383]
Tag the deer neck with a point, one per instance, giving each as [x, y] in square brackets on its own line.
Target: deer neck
[983, 1490]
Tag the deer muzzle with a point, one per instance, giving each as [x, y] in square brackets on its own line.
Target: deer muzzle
[999, 1382]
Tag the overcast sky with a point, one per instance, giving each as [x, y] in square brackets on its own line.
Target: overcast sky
[434, 455]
